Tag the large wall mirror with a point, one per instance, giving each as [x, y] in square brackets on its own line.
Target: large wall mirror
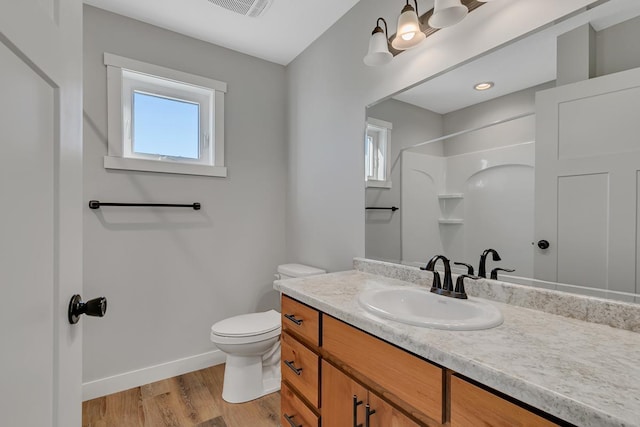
[543, 167]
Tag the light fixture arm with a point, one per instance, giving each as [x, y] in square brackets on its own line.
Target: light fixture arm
[409, 7]
[378, 28]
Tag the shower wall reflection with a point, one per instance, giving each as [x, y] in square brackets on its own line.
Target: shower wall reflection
[460, 195]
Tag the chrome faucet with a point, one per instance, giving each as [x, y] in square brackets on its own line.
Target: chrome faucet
[482, 268]
[437, 286]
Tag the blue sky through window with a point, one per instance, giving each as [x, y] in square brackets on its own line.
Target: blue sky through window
[165, 126]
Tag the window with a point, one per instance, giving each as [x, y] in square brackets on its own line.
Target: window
[377, 153]
[163, 120]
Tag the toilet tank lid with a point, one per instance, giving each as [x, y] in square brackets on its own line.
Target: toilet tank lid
[248, 324]
[299, 270]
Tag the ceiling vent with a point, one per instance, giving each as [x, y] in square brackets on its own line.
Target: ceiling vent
[253, 8]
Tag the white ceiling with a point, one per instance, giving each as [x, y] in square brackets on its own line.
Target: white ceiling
[279, 35]
[290, 26]
[519, 65]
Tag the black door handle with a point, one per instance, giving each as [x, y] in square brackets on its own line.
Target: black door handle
[95, 307]
[356, 403]
[291, 366]
[369, 412]
[543, 244]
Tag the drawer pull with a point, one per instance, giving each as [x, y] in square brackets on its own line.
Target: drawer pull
[289, 419]
[291, 366]
[356, 403]
[292, 317]
[369, 412]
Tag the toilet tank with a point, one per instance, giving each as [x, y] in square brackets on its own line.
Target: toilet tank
[289, 271]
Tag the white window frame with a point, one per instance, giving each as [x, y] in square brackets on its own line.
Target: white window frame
[380, 130]
[124, 76]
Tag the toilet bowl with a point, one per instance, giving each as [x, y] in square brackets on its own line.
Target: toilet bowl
[252, 345]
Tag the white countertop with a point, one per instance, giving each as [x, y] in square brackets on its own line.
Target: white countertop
[584, 373]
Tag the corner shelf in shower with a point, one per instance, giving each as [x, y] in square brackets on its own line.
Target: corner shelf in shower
[451, 196]
[451, 221]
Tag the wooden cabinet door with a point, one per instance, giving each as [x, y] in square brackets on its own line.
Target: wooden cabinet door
[411, 379]
[338, 391]
[386, 415]
[473, 406]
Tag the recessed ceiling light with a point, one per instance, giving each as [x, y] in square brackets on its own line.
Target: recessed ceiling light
[483, 86]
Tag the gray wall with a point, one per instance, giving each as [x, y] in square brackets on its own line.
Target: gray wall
[328, 89]
[170, 274]
[617, 47]
[411, 125]
[517, 131]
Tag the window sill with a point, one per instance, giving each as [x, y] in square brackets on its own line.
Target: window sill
[378, 184]
[143, 165]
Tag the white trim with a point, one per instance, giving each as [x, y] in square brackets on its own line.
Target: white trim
[120, 155]
[379, 123]
[372, 183]
[383, 130]
[218, 120]
[144, 165]
[114, 111]
[157, 70]
[127, 380]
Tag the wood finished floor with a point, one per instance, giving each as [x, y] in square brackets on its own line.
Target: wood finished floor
[193, 399]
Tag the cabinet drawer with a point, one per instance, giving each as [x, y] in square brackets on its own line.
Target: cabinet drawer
[300, 367]
[411, 379]
[300, 319]
[386, 415]
[294, 412]
[473, 406]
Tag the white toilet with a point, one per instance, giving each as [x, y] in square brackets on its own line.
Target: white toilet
[252, 344]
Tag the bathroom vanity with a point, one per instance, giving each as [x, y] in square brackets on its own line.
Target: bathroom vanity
[342, 366]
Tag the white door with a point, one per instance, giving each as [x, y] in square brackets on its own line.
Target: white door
[40, 211]
[588, 182]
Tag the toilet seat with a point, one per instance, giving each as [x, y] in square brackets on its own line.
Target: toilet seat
[246, 328]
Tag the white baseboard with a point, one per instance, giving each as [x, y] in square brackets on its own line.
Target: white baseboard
[127, 380]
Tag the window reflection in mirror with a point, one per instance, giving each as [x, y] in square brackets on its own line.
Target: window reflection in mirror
[377, 149]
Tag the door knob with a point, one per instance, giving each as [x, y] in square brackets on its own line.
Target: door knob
[543, 244]
[95, 307]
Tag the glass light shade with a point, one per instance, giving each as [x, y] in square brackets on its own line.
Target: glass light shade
[409, 33]
[378, 50]
[447, 13]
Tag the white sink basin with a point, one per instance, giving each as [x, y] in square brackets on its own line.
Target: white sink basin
[420, 307]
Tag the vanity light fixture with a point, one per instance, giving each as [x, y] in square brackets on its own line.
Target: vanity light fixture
[413, 28]
[378, 46]
[447, 13]
[409, 31]
[483, 86]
